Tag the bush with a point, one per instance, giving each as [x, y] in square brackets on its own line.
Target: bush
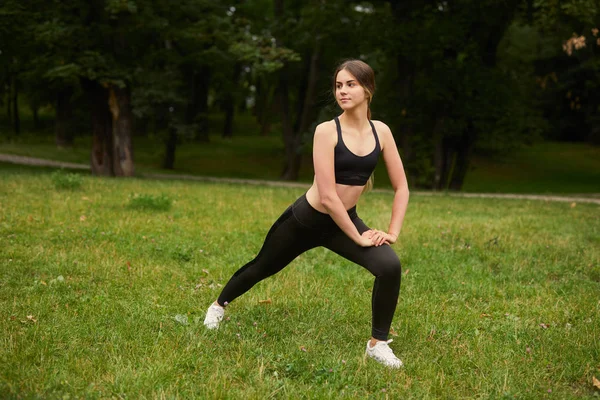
[66, 180]
[161, 202]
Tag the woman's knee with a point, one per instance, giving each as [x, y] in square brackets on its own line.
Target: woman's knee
[388, 266]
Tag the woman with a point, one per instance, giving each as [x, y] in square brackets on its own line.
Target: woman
[345, 153]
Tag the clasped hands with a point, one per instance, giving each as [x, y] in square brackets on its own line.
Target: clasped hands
[375, 237]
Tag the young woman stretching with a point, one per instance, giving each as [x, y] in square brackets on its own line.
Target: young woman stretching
[345, 153]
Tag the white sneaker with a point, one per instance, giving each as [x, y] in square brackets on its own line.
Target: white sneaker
[383, 354]
[214, 316]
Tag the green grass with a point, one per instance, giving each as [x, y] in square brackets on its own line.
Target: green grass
[499, 298]
[547, 167]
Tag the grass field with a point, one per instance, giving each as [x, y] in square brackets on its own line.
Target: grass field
[105, 282]
[543, 168]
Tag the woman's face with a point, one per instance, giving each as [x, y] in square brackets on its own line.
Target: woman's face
[348, 92]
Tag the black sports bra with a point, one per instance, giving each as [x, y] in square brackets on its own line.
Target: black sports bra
[351, 169]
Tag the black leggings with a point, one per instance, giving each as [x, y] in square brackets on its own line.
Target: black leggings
[301, 228]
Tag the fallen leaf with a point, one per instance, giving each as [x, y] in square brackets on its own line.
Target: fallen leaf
[205, 271]
[303, 348]
[43, 283]
[267, 301]
[544, 326]
[484, 315]
[431, 335]
[393, 332]
[406, 272]
[128, 266]
[31, 318]
[573, 205]
[85, 198]
[82, 218]
[182, 319]
[596, 382]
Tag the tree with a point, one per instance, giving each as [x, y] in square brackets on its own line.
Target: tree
[449, 94]
[14, 56]
[568, 67]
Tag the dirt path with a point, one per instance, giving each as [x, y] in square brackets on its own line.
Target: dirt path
[21, 160]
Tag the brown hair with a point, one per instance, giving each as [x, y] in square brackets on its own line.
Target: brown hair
[366, 78]
[364, 75]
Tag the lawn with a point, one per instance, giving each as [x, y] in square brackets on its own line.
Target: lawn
[105, 282]
[546, 167]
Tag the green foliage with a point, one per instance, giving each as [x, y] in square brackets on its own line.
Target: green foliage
[264, 59]
[454, 78]
[144, 201]
[568, 80]
[66, 180]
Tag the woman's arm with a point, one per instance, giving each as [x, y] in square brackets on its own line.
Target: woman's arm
[323, 158]
[397, 176]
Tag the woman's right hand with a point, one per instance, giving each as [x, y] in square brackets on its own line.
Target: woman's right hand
[365, 240]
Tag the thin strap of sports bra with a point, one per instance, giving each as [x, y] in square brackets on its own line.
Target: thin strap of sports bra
[339, 129]
[375, 134]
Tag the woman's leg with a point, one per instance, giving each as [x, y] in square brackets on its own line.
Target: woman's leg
[382, 262]
[285, 241]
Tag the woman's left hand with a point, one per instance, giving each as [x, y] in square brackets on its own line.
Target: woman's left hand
[380, 237]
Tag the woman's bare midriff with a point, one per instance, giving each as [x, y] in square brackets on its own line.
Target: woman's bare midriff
[348, 194]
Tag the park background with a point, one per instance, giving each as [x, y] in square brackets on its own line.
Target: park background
[104, 281]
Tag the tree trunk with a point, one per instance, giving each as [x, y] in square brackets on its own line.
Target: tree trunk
[63, 126]
[289, 140]
[102, 141]
[490, 38]
[307, 114]
[229, 106]
[8, 98]
[202, 115]
[463, 158]
[36, 118]
[197, 108]
[15, 101]
[170, 147]
[293, 138]
[439, 156]
[405, 128]
[119, 102]
[302, 90]
[265, 107]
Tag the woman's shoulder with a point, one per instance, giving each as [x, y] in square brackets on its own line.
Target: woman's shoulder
[326, 128]
[327, 125]
[325, 134]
